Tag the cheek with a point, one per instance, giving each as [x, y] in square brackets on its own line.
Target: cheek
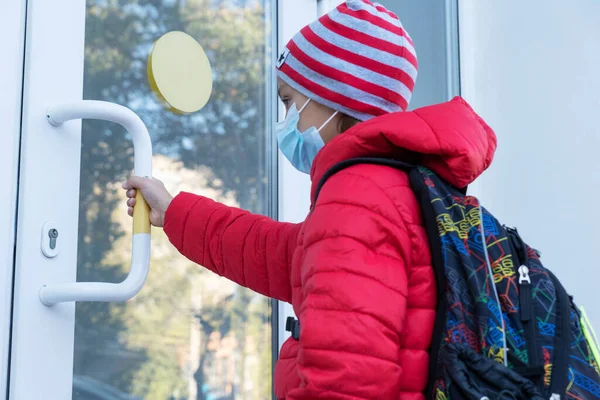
[303, 125]
[308, 118]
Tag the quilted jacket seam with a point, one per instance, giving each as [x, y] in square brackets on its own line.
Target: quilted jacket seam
[205, 247]
[354, 353]
[244, 248]
[405, 295]
[334, 310]
[265, 258]
[362, 242]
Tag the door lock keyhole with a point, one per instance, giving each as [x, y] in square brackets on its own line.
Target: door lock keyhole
[53, 233]
[50, 245]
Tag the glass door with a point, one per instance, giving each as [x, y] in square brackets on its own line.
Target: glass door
[188, 334]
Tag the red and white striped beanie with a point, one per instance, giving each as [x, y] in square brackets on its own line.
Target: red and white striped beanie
[357, 59]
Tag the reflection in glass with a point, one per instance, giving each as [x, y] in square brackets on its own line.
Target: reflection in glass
[189, 334]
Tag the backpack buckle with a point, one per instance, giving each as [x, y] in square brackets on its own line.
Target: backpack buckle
[293, 325]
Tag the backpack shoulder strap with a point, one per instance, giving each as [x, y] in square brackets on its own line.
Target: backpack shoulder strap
[360, 160]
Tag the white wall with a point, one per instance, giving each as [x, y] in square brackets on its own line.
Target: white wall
[324, 6]
[432, 25]
[531, 69]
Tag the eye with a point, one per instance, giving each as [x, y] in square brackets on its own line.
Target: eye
[286, 102]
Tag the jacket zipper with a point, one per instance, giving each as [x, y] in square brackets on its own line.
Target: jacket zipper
[560, 367]
[528, 315]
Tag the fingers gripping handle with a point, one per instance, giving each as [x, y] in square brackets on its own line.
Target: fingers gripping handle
[58, 292]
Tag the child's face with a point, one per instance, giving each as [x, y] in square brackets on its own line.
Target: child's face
[314, 114]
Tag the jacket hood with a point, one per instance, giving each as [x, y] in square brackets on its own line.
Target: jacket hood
[450, 139]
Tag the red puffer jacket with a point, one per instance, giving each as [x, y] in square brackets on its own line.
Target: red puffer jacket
[358, 269]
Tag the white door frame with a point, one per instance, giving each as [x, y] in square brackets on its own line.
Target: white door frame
[48, 191]
[12, 32]
[294, 186]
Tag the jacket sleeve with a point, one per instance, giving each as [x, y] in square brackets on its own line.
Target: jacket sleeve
[354, 284]
[251, 250]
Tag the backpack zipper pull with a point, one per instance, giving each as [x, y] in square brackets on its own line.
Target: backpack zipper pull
[524, 275]
[525, 295]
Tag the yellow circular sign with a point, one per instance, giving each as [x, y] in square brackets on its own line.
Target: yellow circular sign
[179, 73]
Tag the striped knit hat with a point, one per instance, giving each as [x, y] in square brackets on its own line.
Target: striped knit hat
[357, 59]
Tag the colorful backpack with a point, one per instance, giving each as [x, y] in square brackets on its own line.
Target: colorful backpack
[505, 326]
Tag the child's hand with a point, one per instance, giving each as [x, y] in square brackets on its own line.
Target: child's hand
[155, 193]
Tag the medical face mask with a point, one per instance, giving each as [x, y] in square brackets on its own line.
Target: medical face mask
[300, 148]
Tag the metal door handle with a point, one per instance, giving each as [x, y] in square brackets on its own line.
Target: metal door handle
[140, 258]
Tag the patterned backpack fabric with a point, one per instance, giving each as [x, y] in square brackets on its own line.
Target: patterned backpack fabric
[505, 326]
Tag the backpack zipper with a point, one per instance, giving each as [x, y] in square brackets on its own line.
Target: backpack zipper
[525, 295]
[528, 315]
[560, 366]
[527, 310]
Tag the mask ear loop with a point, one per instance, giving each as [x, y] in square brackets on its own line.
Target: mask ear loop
[304, 106]
[328, 121]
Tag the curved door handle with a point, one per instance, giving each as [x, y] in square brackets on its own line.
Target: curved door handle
[140, 258]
